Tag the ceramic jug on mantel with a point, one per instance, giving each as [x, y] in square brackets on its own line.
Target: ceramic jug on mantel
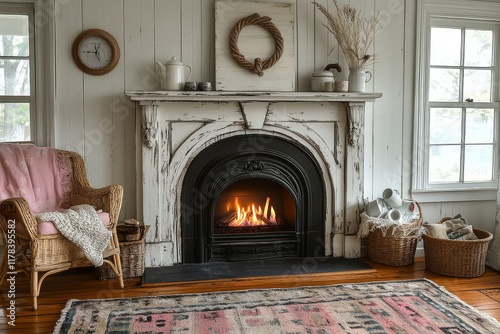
[358, 77]
[172, 74]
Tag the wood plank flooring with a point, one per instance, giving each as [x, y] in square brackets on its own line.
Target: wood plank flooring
[82, 284]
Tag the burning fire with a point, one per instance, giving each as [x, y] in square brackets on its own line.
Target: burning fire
[250, 216]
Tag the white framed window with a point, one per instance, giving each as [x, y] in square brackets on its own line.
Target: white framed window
[457, 100]
[17, 74]
[27, 94]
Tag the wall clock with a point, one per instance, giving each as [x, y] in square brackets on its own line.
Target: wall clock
[95, 52]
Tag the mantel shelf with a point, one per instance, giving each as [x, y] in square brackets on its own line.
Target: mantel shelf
[217, 96]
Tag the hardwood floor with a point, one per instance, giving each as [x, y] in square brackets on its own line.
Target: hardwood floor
[82, 284]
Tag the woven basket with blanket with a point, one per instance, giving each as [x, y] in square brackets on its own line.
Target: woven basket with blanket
[454, 248]
[391, 243]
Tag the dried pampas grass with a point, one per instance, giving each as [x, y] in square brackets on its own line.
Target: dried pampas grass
[354, 33]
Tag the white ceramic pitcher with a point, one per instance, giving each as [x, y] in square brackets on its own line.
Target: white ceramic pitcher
[358, 77]
[172, 74]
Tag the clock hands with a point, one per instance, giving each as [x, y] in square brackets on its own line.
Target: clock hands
[96, 52]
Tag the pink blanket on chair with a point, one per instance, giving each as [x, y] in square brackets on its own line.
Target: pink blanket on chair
[31, 172]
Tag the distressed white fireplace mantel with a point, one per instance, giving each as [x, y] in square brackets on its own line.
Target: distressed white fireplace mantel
[173, 127]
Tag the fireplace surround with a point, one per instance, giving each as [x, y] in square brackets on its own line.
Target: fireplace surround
[191, 150]
[262, 165]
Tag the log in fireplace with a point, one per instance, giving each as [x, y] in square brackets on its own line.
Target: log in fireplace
[249, 197]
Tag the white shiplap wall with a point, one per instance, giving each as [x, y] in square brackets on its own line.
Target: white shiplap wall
[94, 117]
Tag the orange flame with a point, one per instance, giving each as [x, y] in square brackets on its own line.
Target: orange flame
[250, 216]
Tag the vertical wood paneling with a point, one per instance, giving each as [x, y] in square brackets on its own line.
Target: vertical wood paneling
[480, 214]
[370, 130]
[167, 34]
[320, 39]
[207, 41]
[191, 36]
[486, 215]
[139, 46]
[149, 30]
[409, 9]
[138, 59]
[115, 88]
[388, 119]
[69, 79]
[305, 25]
[101, 155]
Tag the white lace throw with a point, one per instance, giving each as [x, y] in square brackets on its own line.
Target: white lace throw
[81, 225]
[369, 224]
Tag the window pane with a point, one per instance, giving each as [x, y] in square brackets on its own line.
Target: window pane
[444, 164]
[445, 126]
[480, 125]
[14, 122]
[445, 46]
[14, 35]
[478, 47]
[478, 163]
[14, 77]
[477, 85]
[444, 84]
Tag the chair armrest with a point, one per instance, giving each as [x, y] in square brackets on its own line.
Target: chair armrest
[18, 210]
[109, 199]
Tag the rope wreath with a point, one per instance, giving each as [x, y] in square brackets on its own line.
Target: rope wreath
[258, 66]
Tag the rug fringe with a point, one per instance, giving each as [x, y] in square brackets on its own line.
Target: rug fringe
[64, 312]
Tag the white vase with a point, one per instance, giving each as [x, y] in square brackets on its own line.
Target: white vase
[358, 77]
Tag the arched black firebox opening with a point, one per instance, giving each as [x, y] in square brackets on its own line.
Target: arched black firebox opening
[255, 162]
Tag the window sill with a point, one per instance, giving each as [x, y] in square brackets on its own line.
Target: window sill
[454, 195]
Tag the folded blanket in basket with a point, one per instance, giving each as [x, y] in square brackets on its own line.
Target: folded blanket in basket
[81, 225]
[457, 228]
[369, 224]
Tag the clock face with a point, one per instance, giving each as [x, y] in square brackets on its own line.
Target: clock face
[95, 52]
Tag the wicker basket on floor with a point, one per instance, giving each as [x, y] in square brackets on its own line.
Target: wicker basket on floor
[132, 257]
[457, 258]
[397, 247]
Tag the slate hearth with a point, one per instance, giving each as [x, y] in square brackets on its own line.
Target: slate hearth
[229, 270]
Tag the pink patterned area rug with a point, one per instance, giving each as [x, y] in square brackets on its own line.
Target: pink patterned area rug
[415, 306]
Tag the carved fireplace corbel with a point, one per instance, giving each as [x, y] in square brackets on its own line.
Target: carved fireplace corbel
[149, 123]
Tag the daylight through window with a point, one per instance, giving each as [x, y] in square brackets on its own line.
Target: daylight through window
[16, 92]
[461, 138]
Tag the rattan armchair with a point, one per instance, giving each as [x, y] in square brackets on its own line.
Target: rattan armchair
[49, 254]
